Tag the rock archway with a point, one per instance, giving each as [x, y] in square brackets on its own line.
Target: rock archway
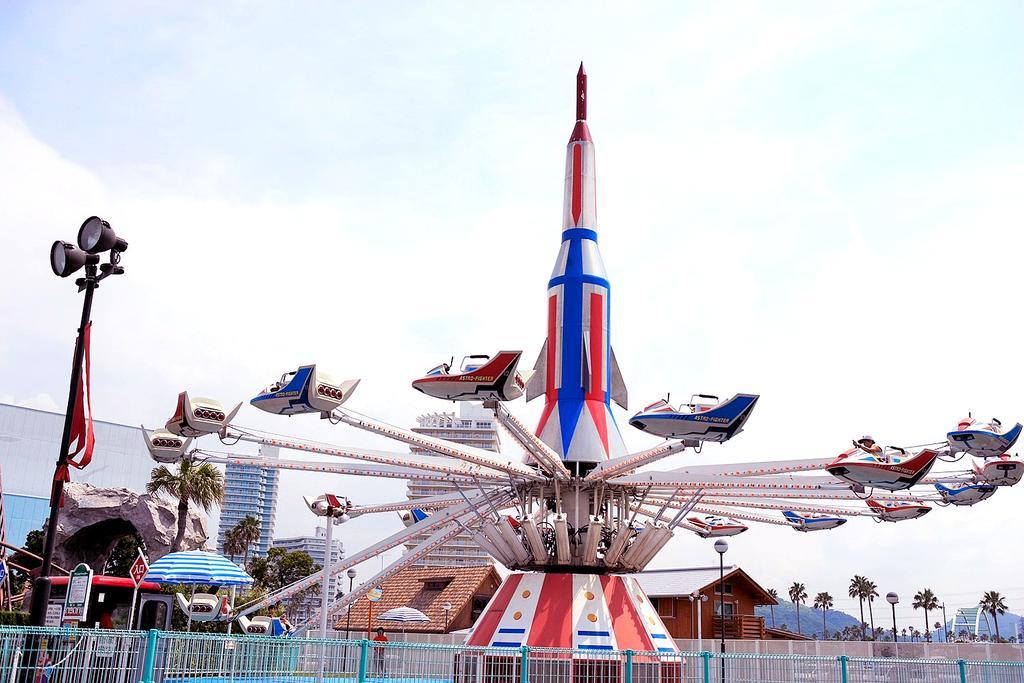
[95, 519]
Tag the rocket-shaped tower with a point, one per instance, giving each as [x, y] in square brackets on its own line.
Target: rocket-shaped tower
[576, 371]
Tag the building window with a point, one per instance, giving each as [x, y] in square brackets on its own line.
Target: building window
[727, 586]
[666, 607]
[730, 609]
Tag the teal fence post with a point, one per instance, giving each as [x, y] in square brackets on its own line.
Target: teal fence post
[149, 663]
[524, 665]
[844, 674]
[627, 676]
[364, 656]
[706, 656]
[963, 670]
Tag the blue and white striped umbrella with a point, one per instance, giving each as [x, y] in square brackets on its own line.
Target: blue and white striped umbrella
[196, 567]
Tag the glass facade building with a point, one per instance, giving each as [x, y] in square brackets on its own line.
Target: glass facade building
[250, 491]
[473, 426]
[29, 443]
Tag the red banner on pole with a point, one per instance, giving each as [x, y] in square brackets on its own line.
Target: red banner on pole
[83, 438]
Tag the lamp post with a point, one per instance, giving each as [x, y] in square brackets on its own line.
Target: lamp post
[720, 547]
[94, 237]
[893, 599]
[447, 608]
[348, 626]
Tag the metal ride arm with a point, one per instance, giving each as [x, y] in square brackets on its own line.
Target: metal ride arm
[781, 505]
[357, 469]
[476, 456]
[443, 517]
[428, 463]
[688, 481]
[816, 495]
[739, 514]
[538, 450]
[425, 503]
[626, 463]
[752, 469]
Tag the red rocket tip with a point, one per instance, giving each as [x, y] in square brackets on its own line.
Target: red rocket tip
[581, 94]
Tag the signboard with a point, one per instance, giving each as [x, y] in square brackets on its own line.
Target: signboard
[54, 614]
[76, 604]
[374, 594]
[3, 570]
[138, 569]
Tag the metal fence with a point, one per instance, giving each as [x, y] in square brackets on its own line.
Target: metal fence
[31, 655]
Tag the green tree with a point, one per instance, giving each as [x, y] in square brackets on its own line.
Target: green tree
[857, 590]
[870, 593]
[281, 568]
[122, 555]
[33, 544]
[199, 483]
[232, 544]
[927, 601]
[797, 594]
[823, 601]
[995, 604]
[775, 594]
[245, 533]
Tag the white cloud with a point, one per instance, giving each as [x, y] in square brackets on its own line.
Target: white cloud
[754, 244]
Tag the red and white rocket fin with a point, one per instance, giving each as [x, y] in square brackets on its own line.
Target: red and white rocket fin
[537, 383]
[618, 393]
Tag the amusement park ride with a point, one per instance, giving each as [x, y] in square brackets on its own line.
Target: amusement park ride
[580, 511]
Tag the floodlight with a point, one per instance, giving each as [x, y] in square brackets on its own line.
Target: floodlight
[96, 236]
[66, 258]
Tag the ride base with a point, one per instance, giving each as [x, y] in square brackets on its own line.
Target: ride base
[568, 620]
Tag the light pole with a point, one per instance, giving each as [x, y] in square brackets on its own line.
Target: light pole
[335, 510]
[721, 545]
[447, 608]
[698, 598]
[94, 237]
[348, 626]
[893, 599]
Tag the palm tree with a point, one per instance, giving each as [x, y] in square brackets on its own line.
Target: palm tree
[232, 544]
[823, 601]
[927, 601]
[995, 604]
[871, 592]
[775, 594]
[857, 591]
[199, 483]
[247, 531]
[797, 594]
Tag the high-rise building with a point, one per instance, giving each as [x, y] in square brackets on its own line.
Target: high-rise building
[316, 547]
[474, 426]
[250, 490]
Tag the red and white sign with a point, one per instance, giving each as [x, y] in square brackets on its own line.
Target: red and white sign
[139, 569]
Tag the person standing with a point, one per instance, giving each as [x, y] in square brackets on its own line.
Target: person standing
[381, 641]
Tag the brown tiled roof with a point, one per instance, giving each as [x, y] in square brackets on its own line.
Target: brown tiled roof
[418, 588]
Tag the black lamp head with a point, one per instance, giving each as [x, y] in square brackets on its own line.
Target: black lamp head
[66, 258]
[96, 236]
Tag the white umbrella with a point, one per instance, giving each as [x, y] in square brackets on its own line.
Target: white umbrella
[404, 615]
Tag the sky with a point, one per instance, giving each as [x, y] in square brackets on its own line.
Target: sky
[819, 203]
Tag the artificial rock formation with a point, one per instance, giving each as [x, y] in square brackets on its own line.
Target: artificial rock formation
[94, 519]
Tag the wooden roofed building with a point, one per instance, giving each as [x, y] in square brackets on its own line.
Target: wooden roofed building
[676, 592]
[466, 590]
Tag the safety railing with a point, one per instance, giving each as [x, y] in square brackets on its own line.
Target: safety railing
[31, 655]
[28, 655]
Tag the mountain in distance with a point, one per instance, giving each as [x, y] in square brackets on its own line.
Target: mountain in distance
[810, 619]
